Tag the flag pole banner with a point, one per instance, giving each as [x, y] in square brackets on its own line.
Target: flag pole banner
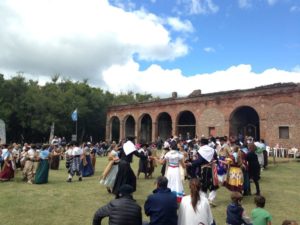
[74, 115]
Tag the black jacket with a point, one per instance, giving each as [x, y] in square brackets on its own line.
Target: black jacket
[161, 206]
[121, 211]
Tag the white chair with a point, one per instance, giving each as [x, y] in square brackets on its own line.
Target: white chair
[293, 152]
[269, 150]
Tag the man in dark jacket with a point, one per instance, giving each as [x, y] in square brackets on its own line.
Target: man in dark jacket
[121, 211]
[161, 206]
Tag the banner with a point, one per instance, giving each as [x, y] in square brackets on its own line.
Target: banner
[74, 115]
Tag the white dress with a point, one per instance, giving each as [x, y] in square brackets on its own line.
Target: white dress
[187, 215]
[173, 158]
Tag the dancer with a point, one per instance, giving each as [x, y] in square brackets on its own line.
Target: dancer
[76, 156]
[208, 172]
[125, 173]
[235, 179]
[86, 162]
[7, 172]
[42, 172]
[173, 159]
[109, 175]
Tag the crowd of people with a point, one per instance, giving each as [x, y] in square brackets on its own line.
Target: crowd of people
[208, 164]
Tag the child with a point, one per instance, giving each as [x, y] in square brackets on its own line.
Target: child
[235, 212]
[259, 215]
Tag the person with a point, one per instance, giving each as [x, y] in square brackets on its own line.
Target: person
[55, 156]
[7, 172]
[109, 174]
[222, 166]
[195, 209]
[86, 162]
[235, 213]
[121, 211]
[207, 170]
[174, 158]
[259, 215]
[42, 172]
[125, 173]
[234, 181]
[253, 167]
[161, 206]
[143, 162]
[29, 167]
[76, 156]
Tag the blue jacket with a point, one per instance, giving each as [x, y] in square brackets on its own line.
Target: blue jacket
[161, 206]
[234, 214]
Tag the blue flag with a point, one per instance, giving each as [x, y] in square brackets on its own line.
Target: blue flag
[74, 115]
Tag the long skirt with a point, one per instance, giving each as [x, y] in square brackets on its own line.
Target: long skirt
[235, 179]
[208, 178]
[125, 175]
[175, 182]
[54, 165]
[7, 173]
[110, 179]
[75, 166]
[87, 170]
[42, 172]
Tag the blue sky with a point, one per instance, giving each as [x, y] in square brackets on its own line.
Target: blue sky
[153, 46]
[261, 33]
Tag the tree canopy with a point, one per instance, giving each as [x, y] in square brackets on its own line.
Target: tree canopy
[30, 109]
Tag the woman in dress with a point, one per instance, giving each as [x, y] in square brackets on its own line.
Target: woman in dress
[235, 179]
[42, 172]
[86, 162]
[174, 158]
[7, 172]
[55, 157]
[143, 162]
[125, 173]
[194, 208]
[109, 175]
[253, 166]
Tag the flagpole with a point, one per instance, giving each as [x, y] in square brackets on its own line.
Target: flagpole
[76, 131]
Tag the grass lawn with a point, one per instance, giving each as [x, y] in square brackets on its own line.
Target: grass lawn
[59, 202]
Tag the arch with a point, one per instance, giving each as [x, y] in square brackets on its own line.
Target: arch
[244, 120]
[145, 128]
[115, 129]
[186, 125]
[129, 126]
[164, 125]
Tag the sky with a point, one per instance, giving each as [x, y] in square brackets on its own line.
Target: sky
[153, 46]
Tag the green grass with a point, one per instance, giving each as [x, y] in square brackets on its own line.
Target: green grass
[59, 202]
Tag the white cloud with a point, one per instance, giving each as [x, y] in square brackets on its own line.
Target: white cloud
[295, 8]
[209, 49]
[81, 38]
[203, 7]
[244, 3]
[178, 25]
[272, 2]
[161, 82]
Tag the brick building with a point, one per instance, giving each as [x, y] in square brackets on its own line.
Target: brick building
[268, 112]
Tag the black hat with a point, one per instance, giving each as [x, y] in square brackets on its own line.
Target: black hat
[204, 141]
[126, 189]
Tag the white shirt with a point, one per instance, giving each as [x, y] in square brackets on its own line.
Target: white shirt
[77, 151]
[187, 215]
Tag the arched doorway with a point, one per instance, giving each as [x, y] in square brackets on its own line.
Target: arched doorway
[115, 129]
[145, 129]
[186, 125]
[164, 125]
[244, 121]
[129, 126]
